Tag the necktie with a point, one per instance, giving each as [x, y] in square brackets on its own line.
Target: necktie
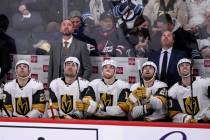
[65, 45]
[164, 67]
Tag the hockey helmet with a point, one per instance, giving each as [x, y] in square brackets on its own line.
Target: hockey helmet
[148, 63]
[72, 59]
[26, 63]
[109, 62]
[183, 60]
[22, 62]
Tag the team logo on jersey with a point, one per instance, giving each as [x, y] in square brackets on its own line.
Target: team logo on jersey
[106, 99]
[66, 103]
[191, 108]
[22, 105]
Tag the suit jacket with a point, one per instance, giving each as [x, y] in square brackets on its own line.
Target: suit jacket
[77, 49]
[172, 73]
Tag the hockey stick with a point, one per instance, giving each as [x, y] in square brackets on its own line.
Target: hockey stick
[191, 88]
[80, 95]
[51, 108]
[2, 107]
[141, 82]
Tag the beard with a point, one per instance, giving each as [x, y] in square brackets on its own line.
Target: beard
[147, 78]
[70, 75]
[67, 33]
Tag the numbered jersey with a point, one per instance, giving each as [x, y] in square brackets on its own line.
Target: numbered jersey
[64, 96]
[25, 101]
[200, 99]
[158, 93]
[108, 95]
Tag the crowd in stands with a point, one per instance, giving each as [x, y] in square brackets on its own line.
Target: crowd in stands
[124, 28]
[167, 32]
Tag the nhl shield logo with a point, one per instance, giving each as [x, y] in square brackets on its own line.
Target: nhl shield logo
[22, 105]
[191, 107]
[66, 103]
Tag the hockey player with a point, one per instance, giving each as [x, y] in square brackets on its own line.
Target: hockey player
[110, 92]
[65, 91]
[24, 96]
[189, 104]
[148, 96]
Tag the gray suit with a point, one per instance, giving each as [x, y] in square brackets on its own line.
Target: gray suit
[77, 49]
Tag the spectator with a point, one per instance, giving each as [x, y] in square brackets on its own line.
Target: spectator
[204, 38]
[139, 37]
[166, 59]
[110, 40]
[190, 98]
[183, 40]
[67, 46]
[24, 96]
[38, 6]
[97, 7]
[5, 40]
[79, 26]
[196, 10]
[66, 91]
[176, 8]
[127, 11]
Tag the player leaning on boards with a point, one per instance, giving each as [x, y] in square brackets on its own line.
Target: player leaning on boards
[189, 98]
[148, 98]
[109, 92]
[24, 96]
[66, 91]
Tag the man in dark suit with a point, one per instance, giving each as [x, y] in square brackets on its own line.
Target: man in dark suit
[5, 62]
[183, 40]
[166, 59]
[7, 46]
[67, 46]
[5, 40]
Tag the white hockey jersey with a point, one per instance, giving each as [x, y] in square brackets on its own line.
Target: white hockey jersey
[64, 97]
[182, 94]
[108, 96]
[158, 92]
[24, 101]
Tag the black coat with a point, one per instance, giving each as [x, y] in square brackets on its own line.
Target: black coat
[7, 42]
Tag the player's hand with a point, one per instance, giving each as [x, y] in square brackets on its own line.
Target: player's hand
[86, 102]
[126, 106]
[139, 93]
[79, 105]
[189, 119]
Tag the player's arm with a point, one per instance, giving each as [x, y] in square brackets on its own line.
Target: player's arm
[38, 104]
[119, 110]
[87, 102]
[175, 112]
[7, 103]
[159, 100]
